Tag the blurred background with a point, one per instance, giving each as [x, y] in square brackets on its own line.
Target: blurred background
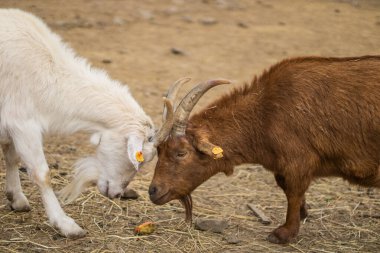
[148, 44]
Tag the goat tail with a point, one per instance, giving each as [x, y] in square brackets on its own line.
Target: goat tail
[86, 174]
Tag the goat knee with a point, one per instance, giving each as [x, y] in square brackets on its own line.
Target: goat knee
[40, 177]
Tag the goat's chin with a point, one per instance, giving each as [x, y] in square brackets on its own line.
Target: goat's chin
[163, 198]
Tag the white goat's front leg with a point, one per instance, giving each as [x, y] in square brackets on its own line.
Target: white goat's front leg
[28, 145]
[16, 197]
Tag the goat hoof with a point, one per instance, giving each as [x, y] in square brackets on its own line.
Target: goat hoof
[20, 208]
[77, 235]
[280, 235]
[274, 239]
[68, 228]
[19, 204]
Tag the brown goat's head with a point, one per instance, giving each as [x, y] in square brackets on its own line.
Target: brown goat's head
[181, 149]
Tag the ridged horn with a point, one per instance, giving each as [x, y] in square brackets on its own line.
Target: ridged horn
[173, 93]
[168, 112]
[167, 125]
[187, 104]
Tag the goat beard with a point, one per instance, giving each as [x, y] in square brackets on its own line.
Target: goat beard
[187, 202]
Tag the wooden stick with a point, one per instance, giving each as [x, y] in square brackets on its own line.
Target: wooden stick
[260, 214]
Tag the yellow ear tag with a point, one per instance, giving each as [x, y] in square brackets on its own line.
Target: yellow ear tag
[218, 152]
[139, 156]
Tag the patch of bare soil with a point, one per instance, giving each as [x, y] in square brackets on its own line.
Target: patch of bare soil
[148, 44]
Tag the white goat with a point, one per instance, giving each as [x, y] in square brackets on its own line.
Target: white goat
[46, 89]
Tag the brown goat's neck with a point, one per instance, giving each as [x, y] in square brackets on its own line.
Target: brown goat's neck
[233, 123]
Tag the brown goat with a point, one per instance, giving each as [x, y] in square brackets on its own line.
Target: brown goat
[304, 118]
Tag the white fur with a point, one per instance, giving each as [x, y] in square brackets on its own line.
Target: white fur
[46, 89]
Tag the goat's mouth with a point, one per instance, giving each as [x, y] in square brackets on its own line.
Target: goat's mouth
[163, 199]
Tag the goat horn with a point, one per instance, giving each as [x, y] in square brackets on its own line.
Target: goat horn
[168, 112]
[188, 102]
[167, 125]
[172, 94]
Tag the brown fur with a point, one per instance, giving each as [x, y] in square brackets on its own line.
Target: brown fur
[304, 118]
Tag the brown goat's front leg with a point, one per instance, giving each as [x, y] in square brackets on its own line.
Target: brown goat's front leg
[280, 180]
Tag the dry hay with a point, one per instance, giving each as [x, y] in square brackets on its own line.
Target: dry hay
[343, 218]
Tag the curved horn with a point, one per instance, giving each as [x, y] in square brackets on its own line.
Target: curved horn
[172, 94]
[168, 112]
[187, 104]
[167, 125]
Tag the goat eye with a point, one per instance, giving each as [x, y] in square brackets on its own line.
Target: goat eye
[150, 139]
[181, 154]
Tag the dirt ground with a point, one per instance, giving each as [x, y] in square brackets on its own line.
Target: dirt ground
[148, 44]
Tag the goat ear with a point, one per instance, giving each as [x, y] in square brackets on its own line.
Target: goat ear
[135, 147]
[205, 146]
[96, 138]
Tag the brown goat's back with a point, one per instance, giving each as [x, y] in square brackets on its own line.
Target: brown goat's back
[322, 112]
[329, 112]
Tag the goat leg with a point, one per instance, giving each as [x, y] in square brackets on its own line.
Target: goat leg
[289, 230]
[17, 200]
[28, 144]
[280, 180]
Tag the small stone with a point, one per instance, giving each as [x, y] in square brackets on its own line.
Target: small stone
[101, 23]
[232, 239]
[23, 169]
[337, 11]
[242, 25]
[146, 14]
[177, 51]
[171, 10]
[123, 51]
[222, 4]
[54, 165]
[187, 19]
[106, 61]
[215, 226]
[208, 21]
[130, 194]
[118, 21]
[57, 237]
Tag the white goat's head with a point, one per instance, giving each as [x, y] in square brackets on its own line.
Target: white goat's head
[118, 157]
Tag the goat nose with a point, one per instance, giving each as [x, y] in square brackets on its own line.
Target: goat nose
[152, 190]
